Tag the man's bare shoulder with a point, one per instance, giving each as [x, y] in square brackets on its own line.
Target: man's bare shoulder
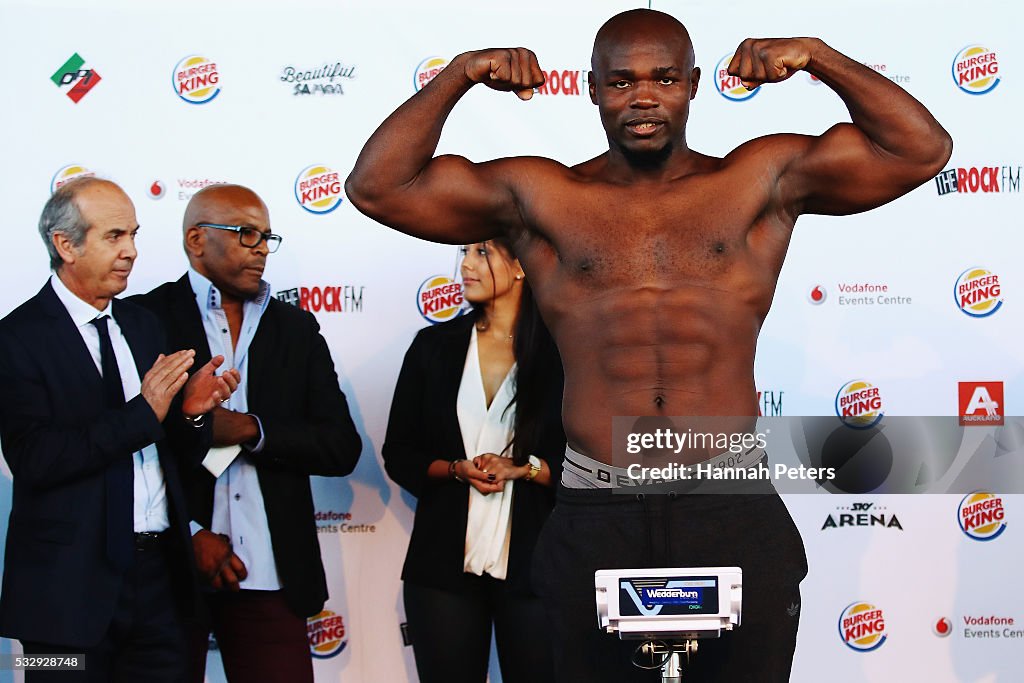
[541, 168]
[769, 151]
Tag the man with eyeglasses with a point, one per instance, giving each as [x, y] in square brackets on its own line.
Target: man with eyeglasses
[255, 536]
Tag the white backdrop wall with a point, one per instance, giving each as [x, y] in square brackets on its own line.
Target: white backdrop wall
[262, 131]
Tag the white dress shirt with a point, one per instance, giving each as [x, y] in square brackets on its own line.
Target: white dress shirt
[238, 509]
[486, 429]
[150, 493]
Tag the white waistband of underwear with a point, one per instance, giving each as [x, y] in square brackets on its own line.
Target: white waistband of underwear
[582, 472]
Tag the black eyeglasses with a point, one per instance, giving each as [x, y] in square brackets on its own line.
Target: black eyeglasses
[248, 236]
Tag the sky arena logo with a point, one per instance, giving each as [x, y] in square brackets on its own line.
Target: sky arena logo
[73, 74]
[859, 405]
[981, 516]
[318, 189]
[728, 86]
[68, 173]
[427, 70]
[196, 79]
[976, 70]
[326, 634]
[977, 291]
[861, 515]
[439, 298]
[862, 627]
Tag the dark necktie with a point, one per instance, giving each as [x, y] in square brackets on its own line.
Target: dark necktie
[119, 474]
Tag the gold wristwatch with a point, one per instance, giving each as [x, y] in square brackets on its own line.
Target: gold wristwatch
[534, 463]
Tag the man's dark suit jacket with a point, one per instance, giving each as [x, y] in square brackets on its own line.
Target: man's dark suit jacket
[58, 438]
[423, 427]
[293, 390]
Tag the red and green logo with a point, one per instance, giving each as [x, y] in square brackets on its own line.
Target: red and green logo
[73, 74]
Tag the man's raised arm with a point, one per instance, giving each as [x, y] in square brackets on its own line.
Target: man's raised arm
[893, 145]
[397, 180]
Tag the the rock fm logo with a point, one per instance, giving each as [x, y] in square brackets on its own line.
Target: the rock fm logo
[564, 82]
[859, 404]
[974, 179]
[66, 174]
[426, 70]
[862, 627]
[196, 79]
[981, 516]
[75, 75]
[977, 291]
[728, 86]
[439, 298]
[318, 189]
[976, 70]
[326, 634]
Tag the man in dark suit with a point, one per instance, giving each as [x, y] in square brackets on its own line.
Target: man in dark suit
[98, 560]
[289, 420]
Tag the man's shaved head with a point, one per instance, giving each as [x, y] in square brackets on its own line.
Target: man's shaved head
[641, 26]
[211, 202]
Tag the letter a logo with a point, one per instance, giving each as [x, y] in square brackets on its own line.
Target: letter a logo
[981, 403]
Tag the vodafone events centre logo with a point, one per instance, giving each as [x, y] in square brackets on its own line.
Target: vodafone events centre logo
[982, 516]
[728, 86]
[862, 627]
[427, 70]
[439, 298]
[817, 295]
[196, 79]
[74, 75]
[977, 291]
[859, 404]
[326, 634]
[318, 189]
[976, 70]
[981, 404]
[942, 627]
[66, 174]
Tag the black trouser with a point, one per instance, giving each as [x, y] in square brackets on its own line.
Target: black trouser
[146, 640]
[596, 529]
[451, 632]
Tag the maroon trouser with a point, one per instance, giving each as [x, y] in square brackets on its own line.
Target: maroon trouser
[259, 637]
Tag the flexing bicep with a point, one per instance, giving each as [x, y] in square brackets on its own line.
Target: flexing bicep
[842, 172]
[450, 200]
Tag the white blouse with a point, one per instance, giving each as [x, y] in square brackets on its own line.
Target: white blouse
[486, 430]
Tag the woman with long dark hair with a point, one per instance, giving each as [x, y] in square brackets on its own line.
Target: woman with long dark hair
[475, 434]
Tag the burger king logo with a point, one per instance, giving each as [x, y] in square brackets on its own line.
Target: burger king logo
[318, 189]
[730, 87]
[68, 173]
[326, 634]
[862, 627]
[976, 70]
[977, 291]
[196, 79]
[426, 70]
[859, 405]
[981, 516]
[439, 299]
